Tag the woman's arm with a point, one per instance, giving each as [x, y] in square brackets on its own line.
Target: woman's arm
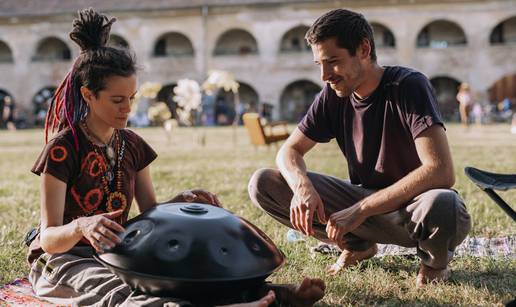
[58, 238]
[144, 190]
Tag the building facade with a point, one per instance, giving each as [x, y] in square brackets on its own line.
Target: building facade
[261, 43]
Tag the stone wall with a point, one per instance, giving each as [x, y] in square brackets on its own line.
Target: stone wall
[269, 71]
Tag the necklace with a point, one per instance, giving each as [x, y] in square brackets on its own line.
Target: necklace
[113, 190]
[109, 151]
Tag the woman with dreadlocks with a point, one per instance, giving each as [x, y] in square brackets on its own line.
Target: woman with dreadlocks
[91, 170]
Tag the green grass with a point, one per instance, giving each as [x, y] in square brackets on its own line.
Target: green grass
[224, 167]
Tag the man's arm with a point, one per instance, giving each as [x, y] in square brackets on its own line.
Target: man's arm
[306, 200]
[435, 172]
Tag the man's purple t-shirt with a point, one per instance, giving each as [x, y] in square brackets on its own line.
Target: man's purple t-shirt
[376, 135]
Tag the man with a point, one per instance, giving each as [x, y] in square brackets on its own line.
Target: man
[387, 124]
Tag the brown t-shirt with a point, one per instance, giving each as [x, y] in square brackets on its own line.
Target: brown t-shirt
[82, 171]
[376, 135]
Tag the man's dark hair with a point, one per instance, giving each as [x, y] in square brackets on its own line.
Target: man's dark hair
[349, 28]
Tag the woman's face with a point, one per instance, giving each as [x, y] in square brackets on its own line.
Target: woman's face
[112, 105]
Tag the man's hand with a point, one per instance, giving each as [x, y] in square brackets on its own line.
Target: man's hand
[198, 196]
[304, 203]
[344, 221]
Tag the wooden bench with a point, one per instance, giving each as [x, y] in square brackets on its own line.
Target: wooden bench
[264, 134]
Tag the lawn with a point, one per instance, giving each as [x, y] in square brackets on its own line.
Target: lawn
[224, 165]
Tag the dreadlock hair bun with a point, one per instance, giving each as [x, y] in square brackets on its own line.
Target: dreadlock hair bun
[91, 69]
[91, 29]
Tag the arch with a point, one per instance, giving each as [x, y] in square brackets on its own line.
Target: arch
[173, 44]
[52, 49]
[166, 94]
[446, 89]
[5, 97]
[383, 36]
[6, 55]
[40, 102]
[118, 41]
[441, 34]
[294, 40]
[224, 111]
[236, 42]
[503, 88]
[296, 98]
[504, 32]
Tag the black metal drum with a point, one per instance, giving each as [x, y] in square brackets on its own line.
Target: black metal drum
[191, 251]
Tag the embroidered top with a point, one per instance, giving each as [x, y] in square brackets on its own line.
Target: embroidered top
[83, 172]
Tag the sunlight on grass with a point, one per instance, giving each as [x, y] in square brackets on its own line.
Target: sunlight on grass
[225, 166]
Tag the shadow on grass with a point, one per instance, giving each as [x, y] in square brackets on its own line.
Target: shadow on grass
[497, 279]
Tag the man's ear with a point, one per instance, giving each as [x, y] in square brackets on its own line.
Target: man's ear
[364, 49]
[87, 95]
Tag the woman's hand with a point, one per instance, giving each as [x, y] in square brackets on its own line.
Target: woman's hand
[198, 196]
[100, 230]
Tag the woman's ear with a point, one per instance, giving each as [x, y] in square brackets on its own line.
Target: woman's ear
[87, 95]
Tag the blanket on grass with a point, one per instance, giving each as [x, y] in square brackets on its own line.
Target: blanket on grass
[499, 247]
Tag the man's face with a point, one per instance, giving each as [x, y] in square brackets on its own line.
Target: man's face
[342, 71]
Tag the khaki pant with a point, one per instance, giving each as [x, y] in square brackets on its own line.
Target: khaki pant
[75, 278]
[434, 222]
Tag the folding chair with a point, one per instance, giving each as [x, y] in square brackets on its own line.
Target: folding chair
[489, 182]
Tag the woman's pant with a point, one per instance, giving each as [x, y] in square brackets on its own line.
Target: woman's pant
[75, 278]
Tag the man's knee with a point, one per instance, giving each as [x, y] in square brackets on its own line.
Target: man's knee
[446, 210]
[261, 181]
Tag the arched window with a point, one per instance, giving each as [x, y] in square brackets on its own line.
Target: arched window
[224, 111]
[236, 42]
[383, 37]
[6, 55]
[118, 41]
[503, 92]
[40, 103]
[296, 98]
[504, 32]
[5, 99]
[446, 89]
[441, 34]
[173, 44]
[52, 49]
[294, 40]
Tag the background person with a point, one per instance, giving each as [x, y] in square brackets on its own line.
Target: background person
[465, 103]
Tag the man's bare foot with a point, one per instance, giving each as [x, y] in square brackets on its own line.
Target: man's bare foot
[309, 291]
[263, 302]
[428, 275]
[350, 258]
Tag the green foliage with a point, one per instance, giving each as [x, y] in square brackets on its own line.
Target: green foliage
[225, 166]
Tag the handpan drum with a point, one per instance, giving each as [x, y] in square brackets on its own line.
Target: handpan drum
[189, 250]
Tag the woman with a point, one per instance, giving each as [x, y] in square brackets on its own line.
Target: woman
[465, 103]
[90, 172]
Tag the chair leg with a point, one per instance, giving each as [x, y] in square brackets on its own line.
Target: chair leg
[500, 202]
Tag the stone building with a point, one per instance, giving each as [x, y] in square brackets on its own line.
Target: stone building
[261, 43]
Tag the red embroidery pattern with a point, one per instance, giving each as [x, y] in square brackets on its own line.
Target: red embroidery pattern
[97, 166]
[91, 201]
[58, 153]
[88, 159]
